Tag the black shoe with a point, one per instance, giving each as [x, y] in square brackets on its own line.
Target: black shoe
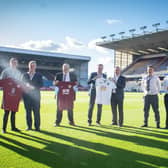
[72, 123]
[145, 125]
[114, 124]
[28, 129]
[15, 129]
[98, 124]
[120, 125]
[89, 124]
[37, 129]
[3, 131]
[56, 125]
[157, 125]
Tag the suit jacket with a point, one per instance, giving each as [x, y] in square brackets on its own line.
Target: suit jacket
[59, 77]
[121, 82]
[92, 81]
[36, 81]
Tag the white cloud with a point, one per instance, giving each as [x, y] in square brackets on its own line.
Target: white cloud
[105, 60]
[73, 46]
[112, 21]
[92, 45]
[49, 45]
[45, 45]
[72, 42]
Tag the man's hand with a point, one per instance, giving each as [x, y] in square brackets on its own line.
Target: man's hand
[55, 82]
[96, 77]
[29, 86]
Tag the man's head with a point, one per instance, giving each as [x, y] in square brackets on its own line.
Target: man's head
[65, 68]
[117, 70]
[13, 62]
[100, 68]
[150, 70]
[32, 66]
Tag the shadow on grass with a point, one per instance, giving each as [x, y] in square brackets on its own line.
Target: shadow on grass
[77, 153]
[137, 139]
[142, 131]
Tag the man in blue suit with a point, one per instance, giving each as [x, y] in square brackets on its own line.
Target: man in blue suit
[91, 81]
[117, 97]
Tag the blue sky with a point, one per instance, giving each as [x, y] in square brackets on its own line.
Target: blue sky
[73, 26]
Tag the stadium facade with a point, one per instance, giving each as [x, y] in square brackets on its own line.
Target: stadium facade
[49, 63]
[133, 54]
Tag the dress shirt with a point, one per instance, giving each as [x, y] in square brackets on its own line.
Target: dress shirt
[165, 84]
[116, 78]
[31, 75]
[154, 85]
[66, 77]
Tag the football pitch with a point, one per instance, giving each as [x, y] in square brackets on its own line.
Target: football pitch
[104, 146]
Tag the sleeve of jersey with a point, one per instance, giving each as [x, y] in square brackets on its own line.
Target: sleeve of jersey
[2, 82]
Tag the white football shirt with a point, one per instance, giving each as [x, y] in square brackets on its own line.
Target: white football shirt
[103, 90]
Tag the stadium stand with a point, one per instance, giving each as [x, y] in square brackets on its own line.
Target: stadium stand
[135, 53]
[48, 63]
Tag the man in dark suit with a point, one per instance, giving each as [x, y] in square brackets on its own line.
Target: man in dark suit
[117, 97]
[65, 76]
[32, 98]
[91, 81]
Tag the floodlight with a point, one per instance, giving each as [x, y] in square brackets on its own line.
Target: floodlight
[103, 37]
[143, 28]
[132, 31]
[112, 36]
[156, 26]
[121, 33]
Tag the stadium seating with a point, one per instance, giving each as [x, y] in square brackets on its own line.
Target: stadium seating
[139, 66]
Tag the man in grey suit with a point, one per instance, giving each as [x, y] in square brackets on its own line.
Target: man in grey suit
[91, 81]
[117, 97]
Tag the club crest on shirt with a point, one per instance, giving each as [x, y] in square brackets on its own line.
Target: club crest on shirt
[18, 86]
[12, 91]
[103, 88]
[65, 91]
[69, 86]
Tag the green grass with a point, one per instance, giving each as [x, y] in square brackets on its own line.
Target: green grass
[86, 147]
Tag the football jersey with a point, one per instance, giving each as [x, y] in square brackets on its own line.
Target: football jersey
[66, 95]
[104, 89]
[12, 93]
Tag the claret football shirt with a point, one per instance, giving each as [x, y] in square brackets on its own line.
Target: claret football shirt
[66, 95]
[12, 93]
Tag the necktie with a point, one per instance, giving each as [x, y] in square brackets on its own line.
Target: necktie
[64, 79]
[148, 84]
